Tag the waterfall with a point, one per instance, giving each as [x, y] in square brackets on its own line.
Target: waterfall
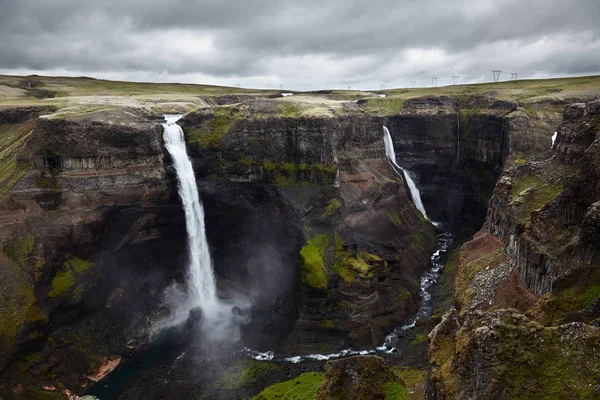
[391, 155]
[554, 139]
[202, 285]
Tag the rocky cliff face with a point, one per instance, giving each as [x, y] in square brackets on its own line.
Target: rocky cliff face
[81, 271]
[526, 292]
[305, 219]
[365, 245]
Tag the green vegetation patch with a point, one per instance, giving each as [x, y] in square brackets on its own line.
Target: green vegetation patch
[537, 362]
[244, 373]
[420, 337]
[578, 294]
[325, 252]
[13, 138]
[385, 105]
[19, 249]
[303, 387]
[536, 192]
[64, 280]
[313, 264]
[211, 132]
[349, 267]
[394, 391]
[329, 324]
[17, 299]
[414, 380]
[395, 217]
[303, 174]
[333, 206]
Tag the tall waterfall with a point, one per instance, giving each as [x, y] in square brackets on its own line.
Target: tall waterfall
[202, 285]
[391, 155]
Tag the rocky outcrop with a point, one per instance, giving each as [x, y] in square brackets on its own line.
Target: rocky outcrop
[526, 290]
[360, 377]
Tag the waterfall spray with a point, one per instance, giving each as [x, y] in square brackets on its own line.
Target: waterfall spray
[202, 285]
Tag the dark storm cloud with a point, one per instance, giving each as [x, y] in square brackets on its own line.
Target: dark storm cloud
[300, 43]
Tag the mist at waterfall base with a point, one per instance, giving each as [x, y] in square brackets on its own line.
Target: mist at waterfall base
[200, 327]
[199, 301]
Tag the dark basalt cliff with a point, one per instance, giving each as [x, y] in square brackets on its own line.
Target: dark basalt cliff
[527, 317]
[305, 220]
[82, 270]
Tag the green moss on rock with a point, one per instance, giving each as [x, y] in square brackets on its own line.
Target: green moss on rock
[313, 265]
[17, 299]
[394, 391]
[210, 134]
[328, 324]
[64, 280]
[19, 249]
[304, 387]
[244, 373]
[333, 206]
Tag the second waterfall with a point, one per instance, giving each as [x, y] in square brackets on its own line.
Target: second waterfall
[391, 155]
[202, 287]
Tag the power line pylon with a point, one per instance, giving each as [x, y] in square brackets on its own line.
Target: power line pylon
[455, 79]
[413, 84]
[496, 74]
[433, 81]
[513, 76]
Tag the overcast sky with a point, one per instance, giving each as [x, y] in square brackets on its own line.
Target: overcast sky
[301, 44]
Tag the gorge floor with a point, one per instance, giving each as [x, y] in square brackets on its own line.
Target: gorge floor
[182, 362]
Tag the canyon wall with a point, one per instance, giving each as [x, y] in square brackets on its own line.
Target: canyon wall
[526, 291]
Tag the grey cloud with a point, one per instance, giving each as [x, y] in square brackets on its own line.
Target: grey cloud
[254, 38]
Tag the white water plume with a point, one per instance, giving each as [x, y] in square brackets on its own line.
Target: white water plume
[202, 287]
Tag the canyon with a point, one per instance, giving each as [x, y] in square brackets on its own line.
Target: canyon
[312, 232]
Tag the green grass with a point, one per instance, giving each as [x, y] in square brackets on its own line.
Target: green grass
[420, 337]
[385, 106]
[244, 373]
[12, 139]
[210, 134]
[540, 191]
[414, 379]
[83, 86]
[394, 391]
[304, 387]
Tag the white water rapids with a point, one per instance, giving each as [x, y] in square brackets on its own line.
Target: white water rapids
[203, 291]
[445, 241]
